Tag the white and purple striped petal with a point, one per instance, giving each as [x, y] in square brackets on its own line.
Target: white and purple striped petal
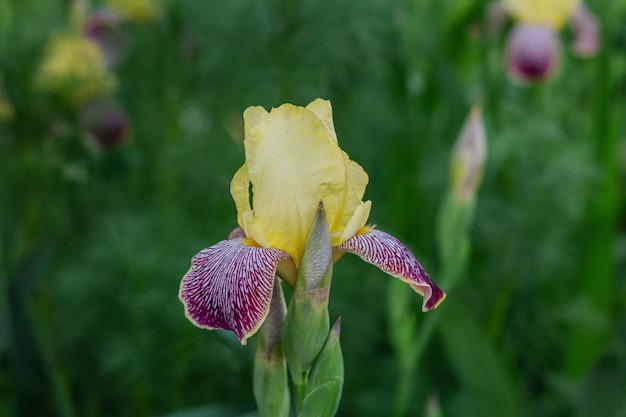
[390, 255]
[229, 286]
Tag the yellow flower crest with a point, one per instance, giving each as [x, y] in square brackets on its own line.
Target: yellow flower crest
[552, 13]
[136, 10]
[74, 68]
[293, 162]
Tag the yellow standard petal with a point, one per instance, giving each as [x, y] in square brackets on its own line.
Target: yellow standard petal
[324, 111]
[553, 13]
[239, 189]
[293, 163]
[342, 207]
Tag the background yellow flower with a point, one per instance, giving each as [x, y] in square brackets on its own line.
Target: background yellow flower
[74, 68]
[553, 13]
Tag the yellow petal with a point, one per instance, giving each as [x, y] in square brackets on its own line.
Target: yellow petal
[553, 13]
[357, 221]
[293, 163]
[340, 207]
[252, 117]
[240, 190]
[324, 111]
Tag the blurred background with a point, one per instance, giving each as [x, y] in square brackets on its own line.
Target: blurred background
[120, 130]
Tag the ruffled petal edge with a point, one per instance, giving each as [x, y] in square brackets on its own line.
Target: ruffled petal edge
[229, 286]
[390, 255]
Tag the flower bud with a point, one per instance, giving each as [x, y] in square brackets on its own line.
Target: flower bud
[306, 327]
[103, 27]
[270, 382]
[496, 18]
[317, 256]
[307, 319]
[532, 53]
[586, 32]
[468, 157]
[323, 389]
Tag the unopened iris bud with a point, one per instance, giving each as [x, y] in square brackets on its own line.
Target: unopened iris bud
[586, 32]
[496, 18]
[468, 157]
[270, 381]
[308, 321]
[317, 257]
[532, 53]
[103, 27]
[323, 390]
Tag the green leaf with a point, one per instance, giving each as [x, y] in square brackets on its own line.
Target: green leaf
[478, 367]
[602, 392]
[323, 401]
[402, 319]
[205, 411]
[325, 383]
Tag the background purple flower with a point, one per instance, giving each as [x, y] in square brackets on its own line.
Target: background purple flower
[532, 53]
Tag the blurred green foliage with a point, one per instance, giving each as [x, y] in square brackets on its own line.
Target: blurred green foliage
[94, 240]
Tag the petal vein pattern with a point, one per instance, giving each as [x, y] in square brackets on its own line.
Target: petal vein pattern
[390, 255]
[229, 286]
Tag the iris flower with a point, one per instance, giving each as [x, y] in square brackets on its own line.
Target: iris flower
[74, 68]
[292, 163]
[533, 46]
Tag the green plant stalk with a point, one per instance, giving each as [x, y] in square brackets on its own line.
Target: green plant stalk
[60, 388]
[311, 347]
[317, 372]
[325, 379]
[6, 317]
[305, 332]
[598, 268]
[271, 390]
[453, 226]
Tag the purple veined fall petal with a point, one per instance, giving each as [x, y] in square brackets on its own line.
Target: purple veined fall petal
[390, 255]
[229, 286]
[532, 52]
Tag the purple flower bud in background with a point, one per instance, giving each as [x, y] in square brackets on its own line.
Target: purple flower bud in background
[532, 53]
[103, 27]
[108, 125]
[496, 18]
[586, 32]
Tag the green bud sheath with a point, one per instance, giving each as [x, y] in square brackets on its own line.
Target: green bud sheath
[271, 390]
[270, 381]
[323, 389]
[307, 326]
[317, 256]
[307, 319]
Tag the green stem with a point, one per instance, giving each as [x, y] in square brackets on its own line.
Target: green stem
[298, 392]
[60, 387]
[598, 264]
[409, 363]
